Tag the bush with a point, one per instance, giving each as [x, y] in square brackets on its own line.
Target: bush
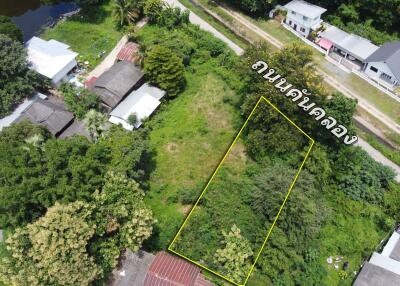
[8, 28]
[164, 68]
[79, 100]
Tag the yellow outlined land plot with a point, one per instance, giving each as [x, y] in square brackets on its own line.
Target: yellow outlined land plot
[198, 243]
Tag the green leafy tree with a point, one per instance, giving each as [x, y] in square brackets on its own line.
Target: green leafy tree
[9, 28]
[234, 258]
[126, 12]
[52, 250]
[122, 219]
[17, 81]
[95, 122]
[153, 10]
[165, 69]
[79, 100]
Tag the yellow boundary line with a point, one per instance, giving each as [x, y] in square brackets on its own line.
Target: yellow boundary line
[212, 177]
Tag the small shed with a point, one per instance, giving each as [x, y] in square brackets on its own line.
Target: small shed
[142, 102]
[52, 59]
[114, 84]
[1, 235]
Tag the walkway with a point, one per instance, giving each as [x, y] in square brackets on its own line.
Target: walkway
[108, 60]
[194, 19]
[375, 154]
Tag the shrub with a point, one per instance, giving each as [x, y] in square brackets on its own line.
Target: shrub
[164, 68]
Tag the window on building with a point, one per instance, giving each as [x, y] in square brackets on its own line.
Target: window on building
[386, 76]
[374, 69]
[290, 23]
[293, 13]
[303, 30]
[305, 18]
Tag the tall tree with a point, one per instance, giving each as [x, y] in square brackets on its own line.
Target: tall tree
[53, 250]
[126, 12]
[95, 122]
[165, 69]
[17, 81]
[234, 258]
[10, 29]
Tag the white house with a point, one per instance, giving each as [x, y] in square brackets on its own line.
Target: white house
[141, 103]
[303, 17]
[384, 64]
[51, 59]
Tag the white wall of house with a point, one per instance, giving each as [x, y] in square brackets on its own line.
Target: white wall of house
[301, 23]
[376, 70]
[62, 74]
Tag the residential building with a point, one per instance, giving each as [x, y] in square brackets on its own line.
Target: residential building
[384, 64]
[145, 269]
[349, 45]
[303, 17]
[141, 103]
[383, 269]
[114, 84]
[50, 113]
[52, 59]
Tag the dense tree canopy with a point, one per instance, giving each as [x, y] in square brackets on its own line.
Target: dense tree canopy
[52, 251]
[9, 28]
[80, 242]
[79, 100]
[165, 69]
[17, 81]
[33, 177]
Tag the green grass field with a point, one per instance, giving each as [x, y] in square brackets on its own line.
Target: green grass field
[190, 136]
[89, 33]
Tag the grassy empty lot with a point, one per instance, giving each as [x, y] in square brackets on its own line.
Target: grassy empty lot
[190, 136]
[89, 33]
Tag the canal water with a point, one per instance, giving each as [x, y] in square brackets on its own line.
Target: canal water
[32, 15]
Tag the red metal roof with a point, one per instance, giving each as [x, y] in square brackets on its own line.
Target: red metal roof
[325, 44]
[89, 83]
[169, 270]
[201, 281]
[128, 52]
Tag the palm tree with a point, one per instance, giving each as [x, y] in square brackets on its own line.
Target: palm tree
[95, 123]
[125, 12]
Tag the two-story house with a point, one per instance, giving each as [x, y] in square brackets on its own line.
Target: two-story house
[303, 17]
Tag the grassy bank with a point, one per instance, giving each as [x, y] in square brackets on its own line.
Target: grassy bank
[91, 33]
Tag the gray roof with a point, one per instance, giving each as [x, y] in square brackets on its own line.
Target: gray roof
[357, 46]
[373, 275]
[389, 53]
[305, 8]
[133, 269]
[76, 128]
[50, 113]
[1, 235]
[395, 254]
[115, 83]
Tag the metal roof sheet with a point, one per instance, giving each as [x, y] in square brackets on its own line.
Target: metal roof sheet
[357, 46]
[305, 8]
[389, 53]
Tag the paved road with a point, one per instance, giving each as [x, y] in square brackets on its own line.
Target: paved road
[375, 154]
[194, 19]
